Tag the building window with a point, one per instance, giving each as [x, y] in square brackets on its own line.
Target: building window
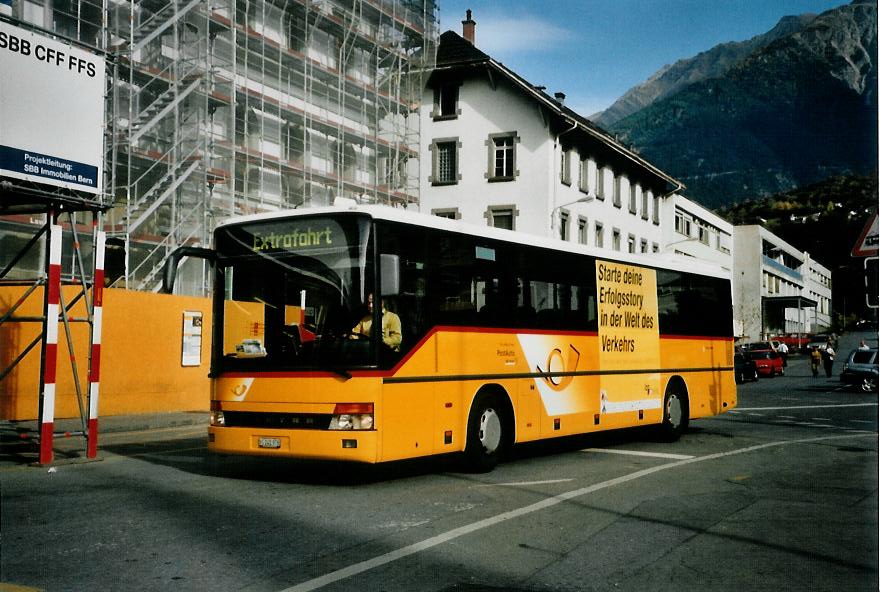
[451, 213]
[682, 224]
[644, 246]
[633, 198]
[646, 202]
[631, 244]
[615, 239]
[501, 216]
[582, 230]
[600, 235]
[617, 183]
[502, 156]
[656, 218]
[600, 182]
[445, 162]
[563, 225]
[584, 175]
[655, 248]
[703, 234]
[446, 101]
[565, 167]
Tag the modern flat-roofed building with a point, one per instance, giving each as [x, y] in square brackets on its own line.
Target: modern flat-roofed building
[778, 288]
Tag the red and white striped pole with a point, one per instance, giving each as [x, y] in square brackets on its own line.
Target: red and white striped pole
[97, 322]
[50, 345]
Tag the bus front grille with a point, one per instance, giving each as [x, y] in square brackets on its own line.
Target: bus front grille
[279, 421]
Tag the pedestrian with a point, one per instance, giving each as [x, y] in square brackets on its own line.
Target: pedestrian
[863, 345]
[828, 358]
[815, 359]
[783, 351]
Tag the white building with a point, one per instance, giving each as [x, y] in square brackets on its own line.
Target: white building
[502, 152]
[777, 288]
[691, 230]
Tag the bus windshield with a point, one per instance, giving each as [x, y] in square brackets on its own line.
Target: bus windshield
[291, 292]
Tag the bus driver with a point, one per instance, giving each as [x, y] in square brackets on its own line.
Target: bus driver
[391, 330]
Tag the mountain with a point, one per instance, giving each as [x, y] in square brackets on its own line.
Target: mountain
[796, 111]
[709, 64]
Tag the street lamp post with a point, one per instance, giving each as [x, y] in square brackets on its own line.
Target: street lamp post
[584, 199]
[678, 242]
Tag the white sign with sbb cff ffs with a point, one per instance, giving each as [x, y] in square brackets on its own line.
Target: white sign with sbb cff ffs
[51, 111]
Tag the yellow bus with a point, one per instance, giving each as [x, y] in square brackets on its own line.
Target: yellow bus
[488, 338]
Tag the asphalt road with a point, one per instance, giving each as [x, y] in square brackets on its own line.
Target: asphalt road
[779, 494]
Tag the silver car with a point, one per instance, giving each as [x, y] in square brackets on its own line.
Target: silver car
[860, 369]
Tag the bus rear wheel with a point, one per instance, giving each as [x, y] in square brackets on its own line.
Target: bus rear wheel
[486, 434]
[675, 413]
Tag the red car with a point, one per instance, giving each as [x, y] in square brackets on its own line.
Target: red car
[768, 362]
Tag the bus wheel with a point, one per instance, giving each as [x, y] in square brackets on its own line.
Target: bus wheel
[485, 434]
[675, 412]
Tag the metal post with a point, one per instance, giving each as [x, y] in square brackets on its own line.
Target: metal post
[50, 342]
[95, 358]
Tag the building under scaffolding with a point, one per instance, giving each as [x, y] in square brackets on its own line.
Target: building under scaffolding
[236, 106]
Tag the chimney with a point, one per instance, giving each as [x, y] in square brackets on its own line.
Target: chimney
[468, 27]
[560, 98]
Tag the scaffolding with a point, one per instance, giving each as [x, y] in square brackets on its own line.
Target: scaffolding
[225, 107]
[236, 107]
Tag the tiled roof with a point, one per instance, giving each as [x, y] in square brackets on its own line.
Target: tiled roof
[455, 49]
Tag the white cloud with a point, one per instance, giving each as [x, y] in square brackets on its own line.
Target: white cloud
[504, 35]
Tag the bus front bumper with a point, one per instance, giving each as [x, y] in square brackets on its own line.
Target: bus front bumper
[340, 445]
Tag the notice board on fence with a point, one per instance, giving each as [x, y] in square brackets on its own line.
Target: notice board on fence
[192, 338]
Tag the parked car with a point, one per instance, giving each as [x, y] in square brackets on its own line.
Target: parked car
[860, 369]
[758, 345]
[794, 341]
[744, 368]
[819, 341]
[767, 362]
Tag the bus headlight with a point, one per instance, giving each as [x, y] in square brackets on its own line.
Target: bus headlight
[352, 416]
[217, 417]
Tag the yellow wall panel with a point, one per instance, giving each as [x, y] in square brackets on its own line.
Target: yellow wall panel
[141, 370]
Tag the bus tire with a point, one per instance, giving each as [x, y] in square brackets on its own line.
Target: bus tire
[486, 433]
[676, 412]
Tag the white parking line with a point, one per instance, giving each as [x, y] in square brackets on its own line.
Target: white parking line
[524, 483]
[380, 560]
[860, 421]
[638, 453]
[819, 419]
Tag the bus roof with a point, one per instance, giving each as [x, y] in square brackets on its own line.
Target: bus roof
[381, 212]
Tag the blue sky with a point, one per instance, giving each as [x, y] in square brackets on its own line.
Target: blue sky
[595, 50]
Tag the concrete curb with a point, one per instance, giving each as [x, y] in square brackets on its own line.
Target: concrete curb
[16, 431]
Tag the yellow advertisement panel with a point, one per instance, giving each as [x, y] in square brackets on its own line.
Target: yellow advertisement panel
[629, 337]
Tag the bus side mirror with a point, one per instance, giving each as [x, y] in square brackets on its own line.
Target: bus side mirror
[389, 274]
[169, 272]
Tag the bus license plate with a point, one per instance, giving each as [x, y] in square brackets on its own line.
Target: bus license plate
[270, 443]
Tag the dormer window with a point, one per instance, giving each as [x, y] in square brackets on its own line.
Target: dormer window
[446, 101]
